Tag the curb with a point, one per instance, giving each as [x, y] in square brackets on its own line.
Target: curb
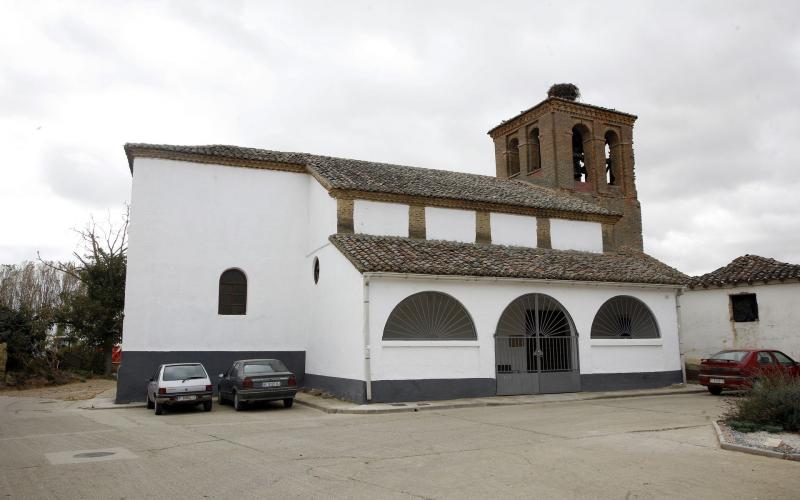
[725, 445]
[416, 407]
[109, 404]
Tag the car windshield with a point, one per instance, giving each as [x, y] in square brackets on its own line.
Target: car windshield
[264, 367]
[183, 372]
[729, 356]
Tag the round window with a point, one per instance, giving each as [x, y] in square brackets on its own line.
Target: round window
[316, 270]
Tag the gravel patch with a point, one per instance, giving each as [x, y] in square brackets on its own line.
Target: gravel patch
[786, 443]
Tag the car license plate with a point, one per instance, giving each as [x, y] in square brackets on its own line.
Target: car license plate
[716, 380]
[271, 384]
[186, 398]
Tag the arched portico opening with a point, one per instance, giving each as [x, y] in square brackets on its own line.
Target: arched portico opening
[536, 347]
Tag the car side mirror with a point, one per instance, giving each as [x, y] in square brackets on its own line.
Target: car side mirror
[221, 375]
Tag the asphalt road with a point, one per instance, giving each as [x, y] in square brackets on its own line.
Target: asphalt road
[647, 447]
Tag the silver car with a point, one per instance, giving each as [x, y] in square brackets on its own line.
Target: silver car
[179, 384]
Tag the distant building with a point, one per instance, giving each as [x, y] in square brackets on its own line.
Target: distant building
[752, 302]
[383, 283]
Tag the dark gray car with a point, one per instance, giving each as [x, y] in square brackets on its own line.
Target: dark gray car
[250, 380]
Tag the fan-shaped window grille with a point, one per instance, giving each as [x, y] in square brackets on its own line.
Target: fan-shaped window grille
[535, 314]
[429, 316]
[624, 317]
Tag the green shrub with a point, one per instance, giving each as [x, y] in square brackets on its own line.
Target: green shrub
[772, 405]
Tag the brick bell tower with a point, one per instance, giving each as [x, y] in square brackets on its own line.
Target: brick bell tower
[583, 149]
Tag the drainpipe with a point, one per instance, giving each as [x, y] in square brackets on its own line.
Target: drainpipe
[365, 328]
[680, 335]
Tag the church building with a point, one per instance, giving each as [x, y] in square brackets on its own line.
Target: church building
[385, 283]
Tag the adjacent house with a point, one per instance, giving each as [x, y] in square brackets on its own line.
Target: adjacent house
[753, 302]
[381, 283]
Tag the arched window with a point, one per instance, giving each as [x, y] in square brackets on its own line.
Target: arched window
[579, 164]
[612, 158]
[429, 316]
[315, 270]
[626, 318]
[232, 293]
[512, 157]
[535, 153]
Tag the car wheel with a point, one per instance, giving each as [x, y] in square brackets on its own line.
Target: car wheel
[159, 407]
[207, 405]
[150, 404]
[715, 390]
[237, 405]
[288, 402]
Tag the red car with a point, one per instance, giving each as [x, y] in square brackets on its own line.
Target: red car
[736, 368]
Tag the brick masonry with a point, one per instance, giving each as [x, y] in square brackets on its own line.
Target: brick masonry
[344, 215]
[543, 233]
[554, 119]
[483, 229]
[416, 221]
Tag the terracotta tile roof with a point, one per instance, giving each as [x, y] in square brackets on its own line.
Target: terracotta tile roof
[747, 269]
[346, 174]
[411, 256]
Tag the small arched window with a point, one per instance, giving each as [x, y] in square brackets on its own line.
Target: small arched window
[579, 164]
[535, 153]
[429, 316]
[612, 158]
[512, 157]
[315, 270]
[624, 317]
[232, 293]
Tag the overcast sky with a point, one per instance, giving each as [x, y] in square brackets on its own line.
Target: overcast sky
[716, 87]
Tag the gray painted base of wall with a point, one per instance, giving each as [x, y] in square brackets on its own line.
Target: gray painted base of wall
[342, 388]
[392, 391]
[138, 366]
[621, 381]
[395, 391]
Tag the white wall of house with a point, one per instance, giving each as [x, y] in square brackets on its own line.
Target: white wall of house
[321, 220]
[486, 300]
[189, 223]
[335, 309]
[576, 235]
[450, 224]
[707, 327]
[379, 218]
[514, 230]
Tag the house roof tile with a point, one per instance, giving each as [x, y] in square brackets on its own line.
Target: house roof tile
[412, 256]
[358, 175]
[747, 269]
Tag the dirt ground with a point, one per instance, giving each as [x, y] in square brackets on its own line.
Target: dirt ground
[75, 391]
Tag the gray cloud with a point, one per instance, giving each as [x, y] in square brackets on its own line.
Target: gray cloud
[714, 85]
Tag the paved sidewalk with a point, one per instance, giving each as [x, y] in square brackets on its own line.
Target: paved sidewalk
[105, 401]
[332, 405]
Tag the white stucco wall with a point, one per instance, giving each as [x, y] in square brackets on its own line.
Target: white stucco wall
[321, 221]
[576, 235]
[375, 217]
[515, 230]
[450, 224]
[334, 306]
[486, 301]
[706, 325]
[189, 223]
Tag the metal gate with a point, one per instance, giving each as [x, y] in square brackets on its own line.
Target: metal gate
[536, 348]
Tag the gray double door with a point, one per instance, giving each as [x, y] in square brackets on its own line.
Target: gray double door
[536, 348]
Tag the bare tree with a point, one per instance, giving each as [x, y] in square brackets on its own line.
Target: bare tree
[95, 312]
